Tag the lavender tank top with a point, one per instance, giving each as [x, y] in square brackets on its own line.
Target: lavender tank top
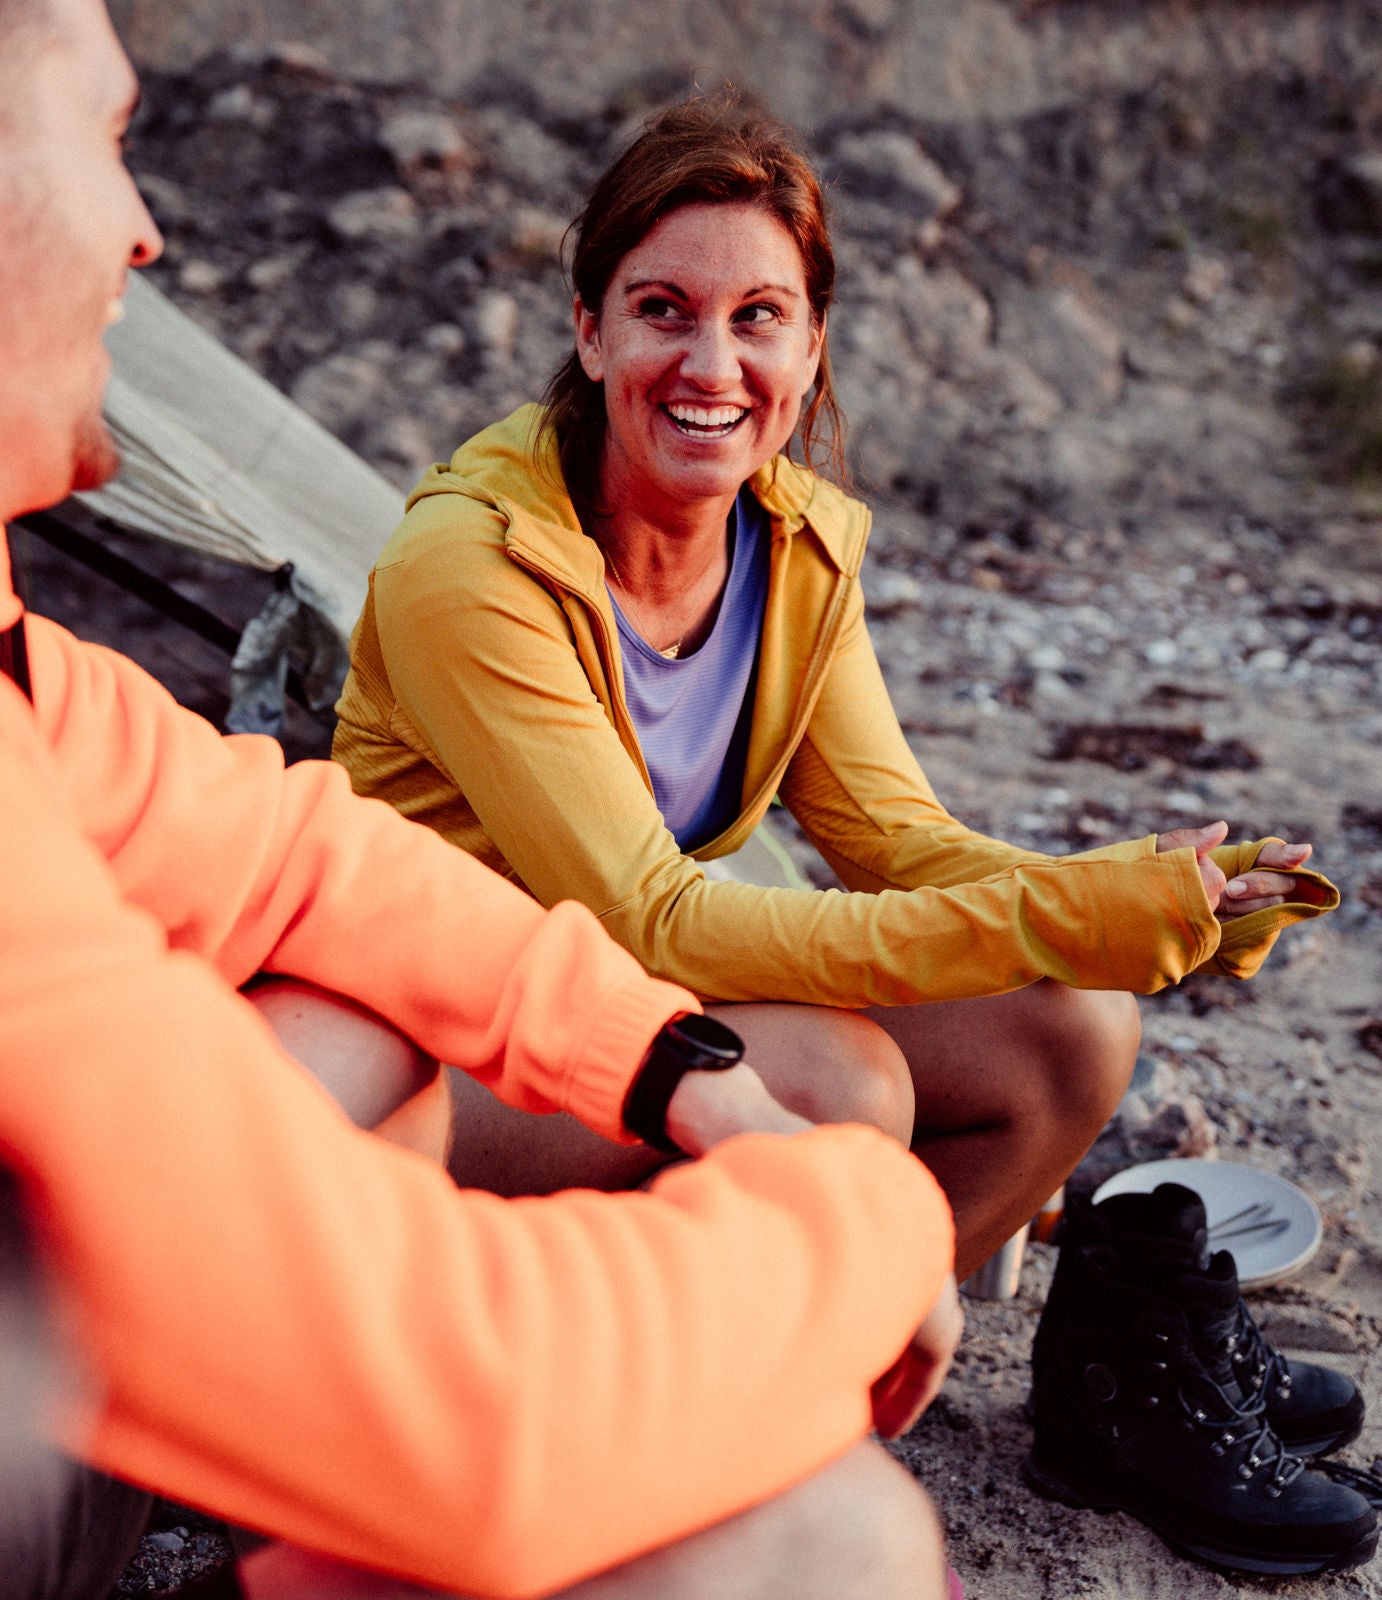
[693, 714]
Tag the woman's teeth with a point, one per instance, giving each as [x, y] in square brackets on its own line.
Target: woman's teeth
[707, 422]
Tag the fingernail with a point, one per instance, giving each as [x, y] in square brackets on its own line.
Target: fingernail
[1235, 887]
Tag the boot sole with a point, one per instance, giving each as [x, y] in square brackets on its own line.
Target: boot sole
[1054, 1484]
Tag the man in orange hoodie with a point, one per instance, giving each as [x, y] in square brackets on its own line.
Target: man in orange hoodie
[292, 1321]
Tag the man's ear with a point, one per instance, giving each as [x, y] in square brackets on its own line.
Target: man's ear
[588, 341]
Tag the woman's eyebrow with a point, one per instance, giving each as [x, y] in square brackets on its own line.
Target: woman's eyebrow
[635, 284]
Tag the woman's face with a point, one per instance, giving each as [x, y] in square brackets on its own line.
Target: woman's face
[706, 347]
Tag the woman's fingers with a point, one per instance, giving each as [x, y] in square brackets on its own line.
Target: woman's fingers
[1287, 856]
[1200, 840]
[1260, 886]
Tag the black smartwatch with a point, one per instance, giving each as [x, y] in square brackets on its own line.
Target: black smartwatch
[686, 1043]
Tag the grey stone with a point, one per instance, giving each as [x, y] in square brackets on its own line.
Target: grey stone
[341, 389]
[1066, 341]
[386, 213]
[495, 319]
[892, 164]
[420, 138]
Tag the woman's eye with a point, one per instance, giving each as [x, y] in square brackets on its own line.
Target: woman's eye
[758, 316]
[657, 310]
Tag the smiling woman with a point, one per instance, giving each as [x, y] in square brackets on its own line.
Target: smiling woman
[614, 627]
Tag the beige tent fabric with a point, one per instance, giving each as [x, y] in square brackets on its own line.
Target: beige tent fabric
[217, 459]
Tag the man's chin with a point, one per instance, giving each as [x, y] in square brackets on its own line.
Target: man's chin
[95, 459]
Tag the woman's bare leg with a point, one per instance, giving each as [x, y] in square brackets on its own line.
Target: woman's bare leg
[824, 1064]
[1010, 1093]
[860, 1529]
[999, 1096]
[1006, 1092]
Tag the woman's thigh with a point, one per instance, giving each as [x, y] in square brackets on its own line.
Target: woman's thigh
[1043, 1051]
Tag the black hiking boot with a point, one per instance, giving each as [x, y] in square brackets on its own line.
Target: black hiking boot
[1162, 1241]
[1130, 1414]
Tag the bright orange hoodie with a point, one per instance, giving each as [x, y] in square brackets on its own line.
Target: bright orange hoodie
[312, 1332]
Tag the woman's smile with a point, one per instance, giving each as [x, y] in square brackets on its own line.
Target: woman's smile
[705, 347]
[701, 422]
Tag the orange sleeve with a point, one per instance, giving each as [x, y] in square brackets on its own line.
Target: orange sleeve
[253, 867]
[313, 1333]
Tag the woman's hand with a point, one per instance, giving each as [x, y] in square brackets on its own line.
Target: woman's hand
[1202, 841]
[914, 1379]
[1270, 882]
[1263, 886]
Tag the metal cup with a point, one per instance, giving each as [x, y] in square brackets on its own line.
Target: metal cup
[997, 1278]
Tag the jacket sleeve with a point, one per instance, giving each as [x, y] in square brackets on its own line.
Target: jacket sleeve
[316, 1334]
[1247, 940]
[253, 867]
[497, 699]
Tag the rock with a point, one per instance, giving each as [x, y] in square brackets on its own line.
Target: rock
[343, 388]
[239, 103]
[892, 165]
[444, 339]
[197, 276]
[270, 272]
[495, 319]
[888, 590]
[385, 213]
[537, 233]
[424, 139]
[354, 306]
[529, 158]
[1348, 196]
[1203, 279]
[170, 1542]
[1066, 341]
[1158, 1118]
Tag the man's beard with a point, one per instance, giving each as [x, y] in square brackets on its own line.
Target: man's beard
[95, 460]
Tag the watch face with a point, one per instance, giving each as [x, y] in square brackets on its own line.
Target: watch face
[711, 1036]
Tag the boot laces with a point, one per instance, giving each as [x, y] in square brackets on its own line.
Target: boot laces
[1254, 1360]
[1209, 1406]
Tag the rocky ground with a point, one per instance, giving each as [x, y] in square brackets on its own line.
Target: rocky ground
[1114, 375]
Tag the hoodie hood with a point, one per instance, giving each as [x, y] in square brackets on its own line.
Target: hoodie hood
[513, 466]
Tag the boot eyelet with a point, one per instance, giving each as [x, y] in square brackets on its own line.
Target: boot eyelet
[1153, 1400]
[1217, 1448]
[1229, 1436]
[1245, 1472]
[1159, 1366]
[1200, 1416]
[1274, 1490]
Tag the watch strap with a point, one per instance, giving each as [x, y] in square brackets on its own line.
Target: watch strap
[673, 1053]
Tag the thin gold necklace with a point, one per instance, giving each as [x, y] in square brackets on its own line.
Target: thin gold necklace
[669, 652]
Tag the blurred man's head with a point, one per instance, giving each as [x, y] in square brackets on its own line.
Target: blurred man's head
[71, 223]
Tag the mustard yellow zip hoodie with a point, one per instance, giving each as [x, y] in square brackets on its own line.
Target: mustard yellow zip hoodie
[485, 699]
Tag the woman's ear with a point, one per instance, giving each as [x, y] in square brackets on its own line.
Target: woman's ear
[813, 366]
[588, 341]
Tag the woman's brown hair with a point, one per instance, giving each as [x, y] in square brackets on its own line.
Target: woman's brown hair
[706, 151]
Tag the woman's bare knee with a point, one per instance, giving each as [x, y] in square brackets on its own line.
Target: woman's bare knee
[827, 1065]
[366, 1065]
[1089, 1041]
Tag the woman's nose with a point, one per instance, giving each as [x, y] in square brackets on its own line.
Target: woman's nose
[711, 361]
